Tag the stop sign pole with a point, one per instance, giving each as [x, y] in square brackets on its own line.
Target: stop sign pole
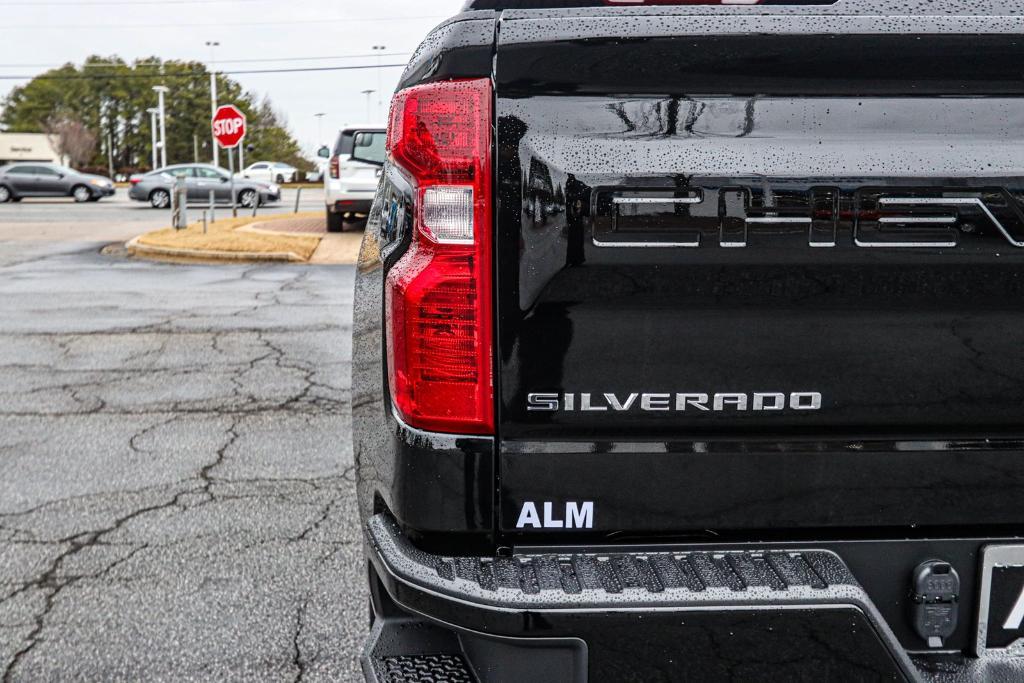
[229, 127]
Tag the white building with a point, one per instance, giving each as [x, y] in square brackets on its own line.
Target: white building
[27, 147]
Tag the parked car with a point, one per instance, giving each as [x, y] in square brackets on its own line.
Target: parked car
[352, 174]
[200, 179]
[271, 172]
[34, 179]
[687, 345]
[317, 174]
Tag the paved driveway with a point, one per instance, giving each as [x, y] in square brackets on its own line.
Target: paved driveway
[176, 487]
[117, 217]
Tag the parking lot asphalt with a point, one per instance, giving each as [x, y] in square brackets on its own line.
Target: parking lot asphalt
[176, 476]
[114, 218]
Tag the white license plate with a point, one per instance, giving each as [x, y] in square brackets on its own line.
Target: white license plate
[1001, 603]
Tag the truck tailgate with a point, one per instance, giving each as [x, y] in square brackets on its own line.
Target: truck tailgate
[753, 280]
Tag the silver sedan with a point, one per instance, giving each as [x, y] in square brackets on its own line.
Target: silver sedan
[39, 179]
[200, 180]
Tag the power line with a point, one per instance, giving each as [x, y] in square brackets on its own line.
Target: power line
[349, 20]
[312, 59]
[219, 61]
[197, 74]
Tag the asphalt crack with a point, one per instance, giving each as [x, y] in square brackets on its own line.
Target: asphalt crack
[224, 504]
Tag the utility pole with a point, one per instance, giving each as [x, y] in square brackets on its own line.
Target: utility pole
[162, 90]
[153, 111]
[378, 49]
[213, 45]
[195, 148]
[368, 93]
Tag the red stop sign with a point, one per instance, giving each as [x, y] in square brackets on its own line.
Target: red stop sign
[228, 126]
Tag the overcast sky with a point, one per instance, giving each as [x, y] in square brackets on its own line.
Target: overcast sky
[35, 34]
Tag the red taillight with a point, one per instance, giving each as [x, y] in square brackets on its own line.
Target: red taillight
[438, 294]
[134, 181]
[335, 168]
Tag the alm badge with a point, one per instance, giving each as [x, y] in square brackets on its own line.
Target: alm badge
[577, 516]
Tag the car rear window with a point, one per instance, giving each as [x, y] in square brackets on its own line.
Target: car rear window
[346, 140]
[369, 146]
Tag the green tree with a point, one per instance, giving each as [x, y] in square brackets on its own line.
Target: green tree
[111, 97]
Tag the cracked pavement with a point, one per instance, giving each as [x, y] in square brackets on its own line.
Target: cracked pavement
[176, 486]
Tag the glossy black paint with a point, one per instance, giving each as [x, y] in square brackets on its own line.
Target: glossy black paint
[550, 4]
[462, 47]
[883, 567]
[439, 487]
[917, 448]
[918, 344]
[833, 642]
[804, 9]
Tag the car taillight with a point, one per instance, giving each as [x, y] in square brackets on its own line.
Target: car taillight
[438, 294]
[335, 168]
[134, 181]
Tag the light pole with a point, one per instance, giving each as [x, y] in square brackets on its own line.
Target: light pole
[368, 93]
[320, 127]
[378, 49]
[162, 90]
[153, 111]
[213, 45]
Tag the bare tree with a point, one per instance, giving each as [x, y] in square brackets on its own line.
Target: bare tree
[71, 138]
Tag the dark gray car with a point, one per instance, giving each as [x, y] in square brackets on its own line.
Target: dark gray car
[200, 179]
[37, 179]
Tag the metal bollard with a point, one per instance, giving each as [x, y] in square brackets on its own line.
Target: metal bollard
[298, 196]
[255, 204]
[204, 222]
[179, 204]
[213, 204]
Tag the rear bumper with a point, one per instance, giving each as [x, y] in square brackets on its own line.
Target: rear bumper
[707, 616]
[346, 206]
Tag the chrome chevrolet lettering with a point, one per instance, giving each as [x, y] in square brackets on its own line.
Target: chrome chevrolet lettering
[724, 402]
[741, 216]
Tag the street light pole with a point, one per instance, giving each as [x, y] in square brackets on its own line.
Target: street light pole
[368, 93]
[153, 111]
[161, 90]
[213, 45]
[320, 127]
[378, 49]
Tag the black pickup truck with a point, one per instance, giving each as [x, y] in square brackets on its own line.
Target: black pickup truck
[689, 345]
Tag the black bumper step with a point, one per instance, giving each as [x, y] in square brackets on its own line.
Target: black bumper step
[420, 668]
[798, 614]
[406, 650]
[592, 580]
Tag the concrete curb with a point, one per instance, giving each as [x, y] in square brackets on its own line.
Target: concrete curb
[136, 248]
[256, 228]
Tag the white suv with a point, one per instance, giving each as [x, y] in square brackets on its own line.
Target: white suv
[352, 174]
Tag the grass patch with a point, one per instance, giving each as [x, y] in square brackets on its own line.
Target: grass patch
[225, 236]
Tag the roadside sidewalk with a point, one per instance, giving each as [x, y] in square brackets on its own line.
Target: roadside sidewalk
[295, 238]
